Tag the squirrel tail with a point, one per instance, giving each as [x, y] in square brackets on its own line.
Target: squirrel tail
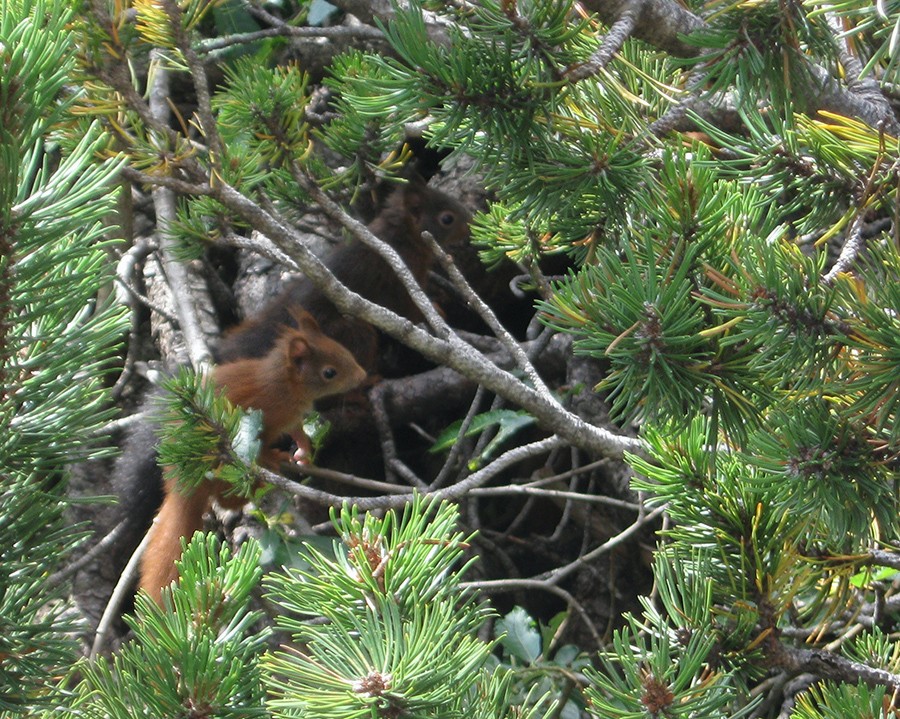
[180, 516]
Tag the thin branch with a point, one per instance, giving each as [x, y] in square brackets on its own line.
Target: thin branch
[262, 246]
[476, 479]
[457, 447]
[146, 301]
[282, 29]
[383, 425]
[164, 203]
[560, 573]
[122, 589]
[352, 480]
[100, 547]
[175, 184]
[849, 252]
[387, 253]
[126, 295]
[553, 494]
[451, 351]
[500, 464]
[487, 314]
[119, 425]
[414, 480]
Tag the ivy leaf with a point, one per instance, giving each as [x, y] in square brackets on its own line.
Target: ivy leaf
[246, 442]
[507, 422]
[519, 636]
[319, 12]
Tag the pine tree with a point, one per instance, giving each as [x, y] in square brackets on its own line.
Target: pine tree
[58, 338]
[722, 181]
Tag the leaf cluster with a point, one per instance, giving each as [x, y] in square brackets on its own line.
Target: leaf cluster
[398, 635]
[203, 436]
[670, 659]
[197, 655]
[562, 154]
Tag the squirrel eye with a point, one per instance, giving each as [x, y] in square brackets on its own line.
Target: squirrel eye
[329, 373]
[447, 218]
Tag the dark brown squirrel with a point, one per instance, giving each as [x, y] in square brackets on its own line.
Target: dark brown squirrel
[408, 211]
[302, 365]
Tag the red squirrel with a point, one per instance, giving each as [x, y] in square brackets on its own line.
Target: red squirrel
[408, 211]
[301, 366]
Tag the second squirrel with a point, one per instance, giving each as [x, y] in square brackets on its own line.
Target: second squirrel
[408, 211]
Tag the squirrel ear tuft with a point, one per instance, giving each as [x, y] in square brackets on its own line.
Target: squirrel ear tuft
[414, 198]
[298, 349]
[305, 321]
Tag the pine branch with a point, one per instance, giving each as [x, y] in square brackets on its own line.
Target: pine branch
[661, 23]
[828, 665]
[208, 125]
[612, 42]
[282, 29]
[557, 575]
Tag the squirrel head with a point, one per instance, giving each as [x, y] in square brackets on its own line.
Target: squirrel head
[318, 366]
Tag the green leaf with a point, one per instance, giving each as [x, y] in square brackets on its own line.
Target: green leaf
[246, 441]
[319, 12]
[519, 636]
[507, 421]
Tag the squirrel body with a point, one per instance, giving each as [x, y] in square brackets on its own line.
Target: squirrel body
[301, 366]
[408, 211]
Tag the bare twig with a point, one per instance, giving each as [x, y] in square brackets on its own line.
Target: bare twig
[388, 254]
[487, 314]
[560, 573]
[262, 246]
[100, 547]
[122, 589]
[477, 479]
[383, 425]
[282, 29]
[176, 273]
[457, 447]
[126, 294]
[514, 489]
[352, 480]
